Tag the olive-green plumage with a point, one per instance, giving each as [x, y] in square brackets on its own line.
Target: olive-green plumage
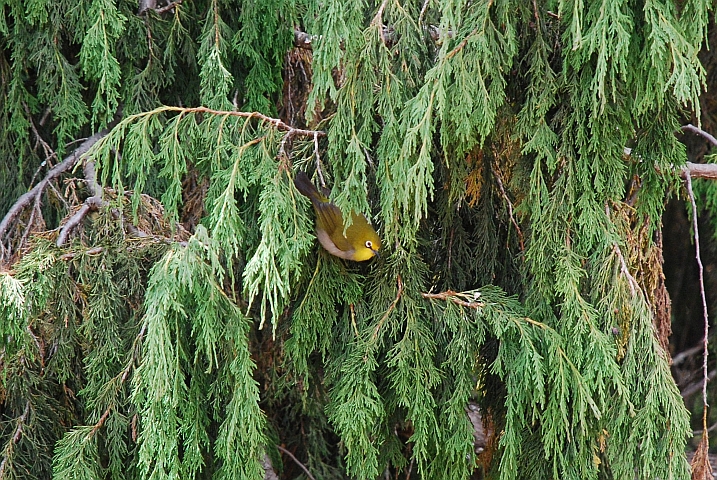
[361, 241]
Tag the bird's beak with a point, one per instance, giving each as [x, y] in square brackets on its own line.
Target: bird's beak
[375, 252]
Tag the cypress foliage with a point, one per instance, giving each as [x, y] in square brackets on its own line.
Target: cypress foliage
[193, 328]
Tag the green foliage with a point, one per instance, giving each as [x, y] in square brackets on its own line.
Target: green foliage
[486, 141]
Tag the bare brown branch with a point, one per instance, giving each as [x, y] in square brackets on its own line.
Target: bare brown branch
[705, 374]
[699, 131]
[455, 297]
[32, 196]
[301, 465]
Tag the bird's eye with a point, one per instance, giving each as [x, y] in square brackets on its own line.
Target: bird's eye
[369, 244]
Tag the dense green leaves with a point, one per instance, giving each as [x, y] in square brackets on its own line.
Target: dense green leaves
[486, 142]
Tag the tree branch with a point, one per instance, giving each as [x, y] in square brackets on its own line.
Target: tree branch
[232, 113]
[30, 197]
[93, 203]
[301, 465]
[691, 128]
[390, 308]
[455, 297]
[499, 181]
[168, 7]
[700, 170]
[16, 436]
[705, 378]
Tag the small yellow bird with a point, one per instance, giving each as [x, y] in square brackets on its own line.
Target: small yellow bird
[361, 241]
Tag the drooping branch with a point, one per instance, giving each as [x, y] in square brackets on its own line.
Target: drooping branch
[455, 297]
[380, 323]
[690, 193]
[509, 204]
[122, 376]
[277, 123]
[16, 436]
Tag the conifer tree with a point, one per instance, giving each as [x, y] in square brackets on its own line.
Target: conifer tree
[166, 310]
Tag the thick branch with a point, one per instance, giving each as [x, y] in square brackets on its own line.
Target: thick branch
[700, 170]
[93, 203]
[28, 198]
[699, 131]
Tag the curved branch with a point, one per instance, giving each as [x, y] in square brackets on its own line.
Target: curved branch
[93, 203]
[301, 465]
[29, 197]
[691, 128]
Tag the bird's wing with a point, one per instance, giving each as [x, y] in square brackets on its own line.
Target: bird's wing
[331, 219]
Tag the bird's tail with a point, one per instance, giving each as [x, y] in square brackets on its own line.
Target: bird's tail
[306, 188]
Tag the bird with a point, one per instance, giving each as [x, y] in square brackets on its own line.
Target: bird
[360, 243]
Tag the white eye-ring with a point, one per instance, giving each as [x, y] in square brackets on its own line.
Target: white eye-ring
[369, 244]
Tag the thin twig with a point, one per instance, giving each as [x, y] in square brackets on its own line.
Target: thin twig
[390, 308]
[632, 283]
[31, 221]
[282, 145]
[20, 422]
[699, 131]
[353, 319]
[123, 377]
[451, 296]
[690, 193]
[510, 209]
[318, 161]
[49, 152]
[634, 286]
[291, 455]
[17, 435]
[101, 422]
[460, 46]
[537, 15]
[712, 428]
[410, 468]
[423, 11]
